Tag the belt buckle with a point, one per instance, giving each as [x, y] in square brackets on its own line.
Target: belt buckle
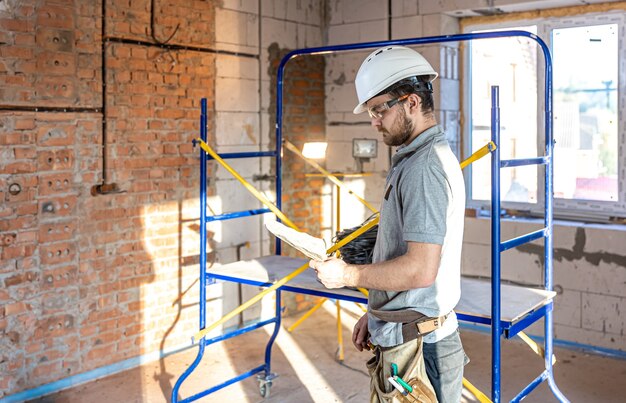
[428, 326]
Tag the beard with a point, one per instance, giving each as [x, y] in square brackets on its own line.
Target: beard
[400, 131]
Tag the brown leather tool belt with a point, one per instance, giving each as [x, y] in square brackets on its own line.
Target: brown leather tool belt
[414, 324]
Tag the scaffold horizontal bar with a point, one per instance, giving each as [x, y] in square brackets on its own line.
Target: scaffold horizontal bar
[523, 161]
[241, 331]
[237, 214]
[528, 320]
[250, 154]
[520, 240]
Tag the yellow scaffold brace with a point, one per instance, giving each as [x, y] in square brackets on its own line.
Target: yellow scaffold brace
[367, 226]
[247, 185]
[481, 152]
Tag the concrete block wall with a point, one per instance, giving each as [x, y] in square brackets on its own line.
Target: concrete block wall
[588, 275]
[261, 33]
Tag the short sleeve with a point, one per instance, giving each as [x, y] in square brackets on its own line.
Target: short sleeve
[425, 196]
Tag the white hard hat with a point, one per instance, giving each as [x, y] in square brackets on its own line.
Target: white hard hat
[385, 67]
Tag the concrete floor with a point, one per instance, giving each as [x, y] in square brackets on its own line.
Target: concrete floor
[308, 372]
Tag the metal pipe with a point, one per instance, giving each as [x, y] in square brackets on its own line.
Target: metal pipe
[481, 152]
[249, 154]
[238, 214]
[524, 161]
[317, 306]
[223, 385]
[531, 386]
[496, 330]
[203, 194]
[268, 348]
[520, 240]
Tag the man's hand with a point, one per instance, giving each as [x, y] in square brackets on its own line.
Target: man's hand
[331, 272]
[360, 335]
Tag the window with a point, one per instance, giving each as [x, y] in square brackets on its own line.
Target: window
[589, 75]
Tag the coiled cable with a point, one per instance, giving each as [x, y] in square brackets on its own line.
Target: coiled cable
[361, 249]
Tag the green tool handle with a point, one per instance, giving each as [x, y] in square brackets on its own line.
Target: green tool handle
[394, 369]
[404, 384]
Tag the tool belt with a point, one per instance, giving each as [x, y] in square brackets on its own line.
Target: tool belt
[410, 367]
[414, 324]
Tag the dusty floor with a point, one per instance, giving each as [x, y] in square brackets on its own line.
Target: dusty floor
[308, 372]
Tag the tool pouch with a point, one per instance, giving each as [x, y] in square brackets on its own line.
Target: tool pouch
[410, 360]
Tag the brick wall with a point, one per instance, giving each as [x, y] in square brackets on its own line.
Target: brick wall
[89, 281]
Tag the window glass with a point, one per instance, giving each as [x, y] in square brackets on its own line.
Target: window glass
[585, 112]
[510, 63]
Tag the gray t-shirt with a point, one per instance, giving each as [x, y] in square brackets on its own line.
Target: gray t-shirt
[424, 201]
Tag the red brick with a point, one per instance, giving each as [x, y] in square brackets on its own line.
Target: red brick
[24, 124]
[59, 89]
[55, 159]
[57, 231]
[55, 16]
[55, 183]
[58, 325]
[17, 251]
[15, 308]
[60, 206]
[58, 40]
[44, 370]
[61, 252]
[58, 277]
[22, 167]
[56, 135]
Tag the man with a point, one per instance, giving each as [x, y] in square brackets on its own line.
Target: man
[414, 280]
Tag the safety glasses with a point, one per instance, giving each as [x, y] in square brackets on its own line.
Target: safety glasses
[377, 111]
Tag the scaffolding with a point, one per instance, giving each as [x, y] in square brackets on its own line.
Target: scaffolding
[507, 309]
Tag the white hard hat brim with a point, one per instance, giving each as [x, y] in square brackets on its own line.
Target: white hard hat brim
[360, 108]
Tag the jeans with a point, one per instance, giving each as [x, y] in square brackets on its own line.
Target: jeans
[444, 362]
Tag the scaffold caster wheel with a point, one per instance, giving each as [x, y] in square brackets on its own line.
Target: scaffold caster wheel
[264, 389]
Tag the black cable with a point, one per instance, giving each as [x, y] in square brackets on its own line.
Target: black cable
[360, 249]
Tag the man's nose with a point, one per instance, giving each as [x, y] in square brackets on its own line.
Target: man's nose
[376, 122]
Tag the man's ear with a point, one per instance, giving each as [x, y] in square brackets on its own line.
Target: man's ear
[415, 103]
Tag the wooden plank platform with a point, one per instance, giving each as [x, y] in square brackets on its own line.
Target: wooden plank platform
[475, 301]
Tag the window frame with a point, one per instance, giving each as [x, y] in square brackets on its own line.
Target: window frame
[574, 209]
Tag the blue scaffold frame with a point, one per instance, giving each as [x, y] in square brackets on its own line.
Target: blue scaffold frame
[498, 327]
